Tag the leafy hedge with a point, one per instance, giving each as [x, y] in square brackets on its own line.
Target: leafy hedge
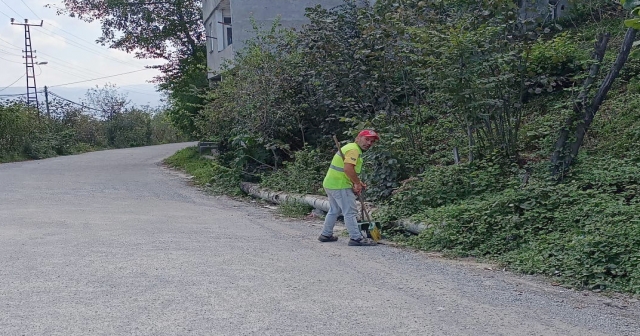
[24, 134]
[585, 231]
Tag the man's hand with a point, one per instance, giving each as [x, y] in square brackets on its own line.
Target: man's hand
[358, 187]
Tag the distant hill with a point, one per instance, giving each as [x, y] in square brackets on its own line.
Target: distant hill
[141, 94]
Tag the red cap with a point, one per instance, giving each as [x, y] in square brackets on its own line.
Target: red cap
[369, 134]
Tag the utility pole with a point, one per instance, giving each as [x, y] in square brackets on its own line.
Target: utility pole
[46, 100]
[32, 90]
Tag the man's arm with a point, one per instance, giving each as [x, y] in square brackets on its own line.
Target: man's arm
[350, 171]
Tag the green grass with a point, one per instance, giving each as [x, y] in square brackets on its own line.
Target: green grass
[294, 209]
[205, 172]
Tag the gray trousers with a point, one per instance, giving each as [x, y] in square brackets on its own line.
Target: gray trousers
[342, 201]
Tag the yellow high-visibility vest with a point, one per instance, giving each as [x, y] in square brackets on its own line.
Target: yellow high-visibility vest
[336, 178]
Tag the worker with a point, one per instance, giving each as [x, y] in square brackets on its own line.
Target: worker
[343, 186]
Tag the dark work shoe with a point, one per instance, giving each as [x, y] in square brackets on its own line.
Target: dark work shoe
[326, 239]
[362, 242]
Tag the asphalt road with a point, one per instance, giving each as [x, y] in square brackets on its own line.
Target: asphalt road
[112, 243]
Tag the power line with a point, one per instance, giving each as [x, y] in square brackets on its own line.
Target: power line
[93, 45]
[70, 65]
[79, 46]
[10, 61]
[72, 102]
[34, 13]
[16, 94]
[5, 14]
[11, 44]
[10, 85]
[13, 95]
[67, 71]
[10, 8]
[9, 53]
[124, 73]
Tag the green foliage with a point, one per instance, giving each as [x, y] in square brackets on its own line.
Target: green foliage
[130, 129]
[16, 124]
[557, 56]
[185, 87]
[445, 185]
[618, 132]
[585, 231]
[591, 11]
[205, 172]
[381, 173]
[294, 209]
[24, 134]
[163, 130]
[431, 77]
[634, 7]
[167, 30]
[302, 175]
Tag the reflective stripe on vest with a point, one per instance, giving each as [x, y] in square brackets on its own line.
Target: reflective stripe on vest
[337, 168]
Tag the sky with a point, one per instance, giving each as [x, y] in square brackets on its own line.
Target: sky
[68, 46]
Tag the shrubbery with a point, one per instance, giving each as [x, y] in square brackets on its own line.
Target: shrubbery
[434, 78]
[585, 230]
[302, 175]
[26, 135]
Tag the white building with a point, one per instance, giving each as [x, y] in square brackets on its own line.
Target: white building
[228, 23]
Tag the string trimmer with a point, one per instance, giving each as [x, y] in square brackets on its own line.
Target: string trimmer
[371, 229]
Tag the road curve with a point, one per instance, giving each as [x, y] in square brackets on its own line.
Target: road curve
[112, 243]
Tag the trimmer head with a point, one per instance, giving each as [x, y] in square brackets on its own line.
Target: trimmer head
[371, 229]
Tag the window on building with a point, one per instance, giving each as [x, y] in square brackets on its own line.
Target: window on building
[210, 38]
[224, 32]
[228, 31]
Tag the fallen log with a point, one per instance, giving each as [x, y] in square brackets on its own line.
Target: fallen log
[411, 226]
[316, 201]
[277, 197]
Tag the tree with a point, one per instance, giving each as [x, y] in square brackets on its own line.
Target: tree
[108, 100]
[584, 112]
[169, 30]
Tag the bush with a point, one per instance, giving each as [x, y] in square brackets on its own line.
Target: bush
[445, 185]
[585, 231]
[205, 172]
[17, 123]
[302, 175]
[557, 56]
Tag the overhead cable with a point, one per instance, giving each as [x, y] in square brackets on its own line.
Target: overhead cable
[72, 102]
[17, 94]
[97, 50]
[10, 85]
[10, 61]
[34, 13]
[124, 73]
[11, 44]
[9, 53]
[81, 47]
[18, 14]
[5, 14]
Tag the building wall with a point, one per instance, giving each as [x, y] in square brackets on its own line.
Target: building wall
[290, 12]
